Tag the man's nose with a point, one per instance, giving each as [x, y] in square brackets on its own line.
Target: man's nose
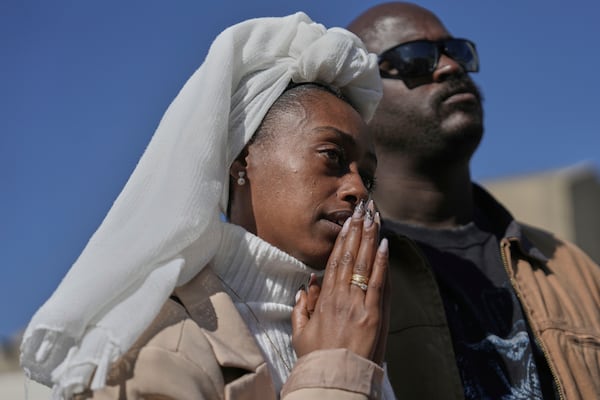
[446, 67]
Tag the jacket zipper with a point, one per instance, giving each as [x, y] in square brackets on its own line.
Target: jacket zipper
[503, 245]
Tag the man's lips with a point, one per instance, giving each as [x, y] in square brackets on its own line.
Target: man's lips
[459, 97]
[458, 90]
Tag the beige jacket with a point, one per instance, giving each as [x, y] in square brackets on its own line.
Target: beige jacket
[199, 347]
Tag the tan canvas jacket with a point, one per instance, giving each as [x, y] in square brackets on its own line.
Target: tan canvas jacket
[199, 347]
[558, 286]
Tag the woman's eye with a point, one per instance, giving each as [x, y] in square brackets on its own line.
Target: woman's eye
[333, 155]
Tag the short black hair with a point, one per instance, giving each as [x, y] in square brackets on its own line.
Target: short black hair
[288, 101]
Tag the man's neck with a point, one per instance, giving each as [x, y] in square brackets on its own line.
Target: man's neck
[433, 197]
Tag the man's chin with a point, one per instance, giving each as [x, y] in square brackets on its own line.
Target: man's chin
[464, 122]
[462, 136]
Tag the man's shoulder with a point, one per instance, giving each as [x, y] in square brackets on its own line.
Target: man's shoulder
[558, 250]
[540, 237]
[544, 240]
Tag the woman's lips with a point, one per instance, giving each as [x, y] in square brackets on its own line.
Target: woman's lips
[335, 220]
[339, 217]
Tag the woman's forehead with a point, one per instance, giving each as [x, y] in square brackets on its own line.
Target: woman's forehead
[323, 113]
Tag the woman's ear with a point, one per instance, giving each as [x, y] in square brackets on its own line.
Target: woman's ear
[237, 171]
[239, 209]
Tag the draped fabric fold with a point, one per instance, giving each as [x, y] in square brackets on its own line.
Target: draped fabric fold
[165, 225]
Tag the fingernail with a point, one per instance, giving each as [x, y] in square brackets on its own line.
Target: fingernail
[369, 214]
[378, 218]
[312, 279]
[368, 219]
[345, 227]
[359, 209]
[383, 246]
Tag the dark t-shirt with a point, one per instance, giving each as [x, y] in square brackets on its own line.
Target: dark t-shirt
[491, 339]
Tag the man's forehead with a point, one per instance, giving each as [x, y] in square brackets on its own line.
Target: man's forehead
[388, 31]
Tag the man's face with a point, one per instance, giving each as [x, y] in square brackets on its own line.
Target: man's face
[439, 115]
[307, 179]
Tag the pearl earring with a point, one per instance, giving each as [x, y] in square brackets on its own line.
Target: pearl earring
[241, 181]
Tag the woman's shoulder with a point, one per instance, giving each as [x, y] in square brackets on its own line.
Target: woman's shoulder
[172, 358]
[172, 335]
[199, 321]
[189, 349]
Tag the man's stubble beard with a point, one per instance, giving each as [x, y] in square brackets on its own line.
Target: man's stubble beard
[424, 139]
[435, 138]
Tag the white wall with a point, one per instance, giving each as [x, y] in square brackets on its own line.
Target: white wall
[13, 387]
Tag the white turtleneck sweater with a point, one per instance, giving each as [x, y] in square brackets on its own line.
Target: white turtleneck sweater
[263, 281]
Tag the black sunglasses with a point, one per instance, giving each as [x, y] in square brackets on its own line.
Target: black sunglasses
[420, 57]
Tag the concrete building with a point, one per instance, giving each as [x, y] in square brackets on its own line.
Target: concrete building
[14, 386]
[13, 383]
[565, 202]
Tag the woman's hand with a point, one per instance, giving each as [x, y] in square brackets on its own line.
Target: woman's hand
[341, 314]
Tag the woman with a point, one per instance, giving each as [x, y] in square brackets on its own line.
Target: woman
[289, 191]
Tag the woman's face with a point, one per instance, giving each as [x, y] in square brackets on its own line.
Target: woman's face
[303, 181]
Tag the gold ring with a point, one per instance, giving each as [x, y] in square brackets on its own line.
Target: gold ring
[363, 286]
[359, 279]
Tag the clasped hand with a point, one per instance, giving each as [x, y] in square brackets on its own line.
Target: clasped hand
[350, 309]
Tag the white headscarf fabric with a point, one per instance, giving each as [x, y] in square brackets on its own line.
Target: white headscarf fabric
[165, 225]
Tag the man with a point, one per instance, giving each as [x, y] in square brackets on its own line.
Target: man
[483, 307]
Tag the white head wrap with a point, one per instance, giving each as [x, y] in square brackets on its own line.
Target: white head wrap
[165, 225]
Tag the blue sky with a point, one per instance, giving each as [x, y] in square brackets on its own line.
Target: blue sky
[83, 85]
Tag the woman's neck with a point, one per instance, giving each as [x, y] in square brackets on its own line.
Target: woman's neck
[258, 271]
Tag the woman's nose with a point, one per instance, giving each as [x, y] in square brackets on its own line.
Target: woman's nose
[353, 188]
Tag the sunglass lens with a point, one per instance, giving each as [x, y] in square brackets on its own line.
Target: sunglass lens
[463, 52]
[413, 59]
[419, 58]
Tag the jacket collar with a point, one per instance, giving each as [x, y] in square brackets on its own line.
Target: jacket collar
[491, 215]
